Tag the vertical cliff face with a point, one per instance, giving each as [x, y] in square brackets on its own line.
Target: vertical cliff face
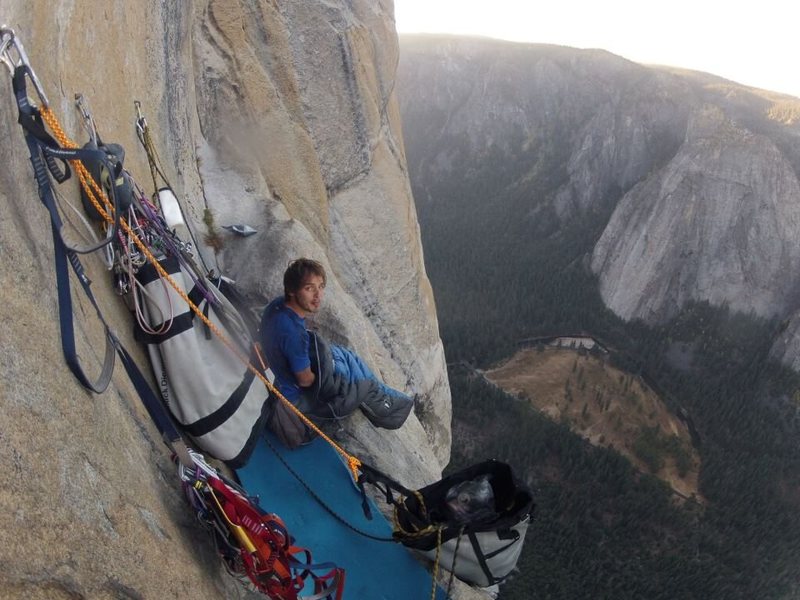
[719, 223]
[278, 115]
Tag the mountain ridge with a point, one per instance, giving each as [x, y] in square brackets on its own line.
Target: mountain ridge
[584, 134]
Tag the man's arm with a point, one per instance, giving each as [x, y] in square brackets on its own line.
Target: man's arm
[305, 377]
[295, 348]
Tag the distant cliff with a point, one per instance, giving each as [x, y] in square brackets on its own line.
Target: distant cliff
[279, 115]
[691, 182]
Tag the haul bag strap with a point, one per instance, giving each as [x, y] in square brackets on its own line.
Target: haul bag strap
[377, 478]
[509, 534]
[482, 558]
[476, 547]
[383, 482]
[154, 406]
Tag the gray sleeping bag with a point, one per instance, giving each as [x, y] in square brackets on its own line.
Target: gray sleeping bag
[344, 383]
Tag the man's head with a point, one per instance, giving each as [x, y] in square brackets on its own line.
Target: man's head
[303, 285]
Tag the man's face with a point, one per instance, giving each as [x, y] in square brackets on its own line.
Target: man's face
[309, 296]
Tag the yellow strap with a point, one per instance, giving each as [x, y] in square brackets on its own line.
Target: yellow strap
[150, 149]
[89, 185]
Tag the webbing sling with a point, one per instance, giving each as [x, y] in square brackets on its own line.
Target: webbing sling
[42, 157]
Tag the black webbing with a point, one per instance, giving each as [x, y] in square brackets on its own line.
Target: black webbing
[152, 403]
[62, 256]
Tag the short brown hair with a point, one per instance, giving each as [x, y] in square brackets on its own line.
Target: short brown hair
[296, 273]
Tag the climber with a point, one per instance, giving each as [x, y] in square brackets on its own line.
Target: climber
[300, 360]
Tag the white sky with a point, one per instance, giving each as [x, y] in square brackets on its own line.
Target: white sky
[755, 43]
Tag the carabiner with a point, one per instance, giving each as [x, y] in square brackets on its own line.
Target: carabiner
[141, 122]
[88, 120]
[8, 40]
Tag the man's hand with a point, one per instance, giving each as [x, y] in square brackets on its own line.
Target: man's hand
[305, 378]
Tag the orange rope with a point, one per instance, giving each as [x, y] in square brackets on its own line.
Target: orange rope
[90, 185]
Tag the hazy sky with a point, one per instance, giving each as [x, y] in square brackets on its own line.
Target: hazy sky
[756, 43]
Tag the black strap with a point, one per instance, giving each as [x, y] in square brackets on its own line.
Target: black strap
[511, 534]
[385, 485]
[66, 320]
[377, 478]
[152, 403]
[31, 121]
[476, 547]
[62, 256]
[213, 420]
[505, 534]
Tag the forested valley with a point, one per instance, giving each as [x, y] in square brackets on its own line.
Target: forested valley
[503, 269]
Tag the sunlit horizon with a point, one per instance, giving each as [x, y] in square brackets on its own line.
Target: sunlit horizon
[756, 47]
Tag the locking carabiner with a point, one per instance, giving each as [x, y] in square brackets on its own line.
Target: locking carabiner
[8, 42]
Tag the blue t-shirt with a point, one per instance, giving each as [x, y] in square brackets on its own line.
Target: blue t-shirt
[285, 342]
